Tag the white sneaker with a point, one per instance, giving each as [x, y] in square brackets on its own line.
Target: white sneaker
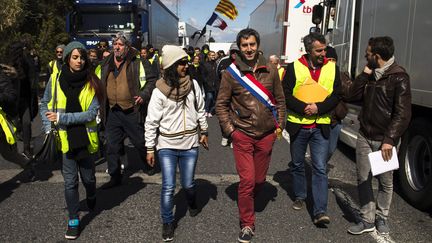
[286, 135]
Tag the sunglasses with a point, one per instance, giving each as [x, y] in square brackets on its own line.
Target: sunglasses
[59, 51]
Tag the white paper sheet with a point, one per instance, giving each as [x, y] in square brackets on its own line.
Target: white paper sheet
[379, 166]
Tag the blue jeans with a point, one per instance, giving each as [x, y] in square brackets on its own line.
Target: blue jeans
[319, 151]
[86, 168]
[168, 159]
[209, 101]
[333, 139]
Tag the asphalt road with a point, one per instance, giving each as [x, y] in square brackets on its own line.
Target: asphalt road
[35, 211]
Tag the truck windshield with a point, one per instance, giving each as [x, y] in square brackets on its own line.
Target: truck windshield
[101, 22]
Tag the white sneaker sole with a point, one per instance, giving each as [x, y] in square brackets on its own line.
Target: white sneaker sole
[361, 232]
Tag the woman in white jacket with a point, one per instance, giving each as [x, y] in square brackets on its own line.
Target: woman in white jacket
[175, 125]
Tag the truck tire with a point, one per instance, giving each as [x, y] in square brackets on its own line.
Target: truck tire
[415, 168]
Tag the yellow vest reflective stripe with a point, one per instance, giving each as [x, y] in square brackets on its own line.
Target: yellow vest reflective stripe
[85, 98]
[98, 71]
[53, 65]
[7, 127]
[142, 76]
[326, 79]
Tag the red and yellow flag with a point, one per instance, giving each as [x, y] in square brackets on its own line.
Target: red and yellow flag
[227, 8]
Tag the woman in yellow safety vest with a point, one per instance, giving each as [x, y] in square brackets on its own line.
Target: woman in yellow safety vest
[78, 93]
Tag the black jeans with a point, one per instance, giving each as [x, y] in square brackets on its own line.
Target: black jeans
[119, 125]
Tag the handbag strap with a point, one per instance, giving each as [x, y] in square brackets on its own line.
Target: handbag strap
[55, 98]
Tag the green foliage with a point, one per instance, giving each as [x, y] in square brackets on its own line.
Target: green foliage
[42, 23]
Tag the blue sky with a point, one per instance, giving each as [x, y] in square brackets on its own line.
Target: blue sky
[197, 12]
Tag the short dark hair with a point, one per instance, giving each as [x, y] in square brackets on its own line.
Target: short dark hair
[311, 38]
[245, 33]
[382, 46]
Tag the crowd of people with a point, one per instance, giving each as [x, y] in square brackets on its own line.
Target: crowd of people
[161, 101]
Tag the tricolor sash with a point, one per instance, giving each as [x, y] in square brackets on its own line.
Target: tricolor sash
[249, 82]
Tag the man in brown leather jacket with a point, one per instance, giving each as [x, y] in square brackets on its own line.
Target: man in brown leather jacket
[384, 88]
[252, 125]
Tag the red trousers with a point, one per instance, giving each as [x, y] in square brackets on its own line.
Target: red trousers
[252, 158]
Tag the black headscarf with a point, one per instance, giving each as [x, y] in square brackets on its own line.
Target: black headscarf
[71, 84]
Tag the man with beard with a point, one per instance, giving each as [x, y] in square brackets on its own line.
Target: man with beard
[127, 93]
[251, 111]
[384, 89]
[309, 123]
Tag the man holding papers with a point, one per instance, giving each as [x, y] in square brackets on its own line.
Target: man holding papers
[384, 89]
[312, 90]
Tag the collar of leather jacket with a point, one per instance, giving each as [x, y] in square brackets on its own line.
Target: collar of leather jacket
[394, 68]
[243, 67]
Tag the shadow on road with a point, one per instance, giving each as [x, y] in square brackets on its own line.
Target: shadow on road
[109, 199]
[205, 191]
[266, 193]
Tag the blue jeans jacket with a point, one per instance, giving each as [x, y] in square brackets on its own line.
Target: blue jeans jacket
[66, 118]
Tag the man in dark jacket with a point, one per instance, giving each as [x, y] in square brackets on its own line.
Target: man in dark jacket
[211, 83]
[8, 98]
[384, 89]
[123, 111]
[308, 122]
[251, 121]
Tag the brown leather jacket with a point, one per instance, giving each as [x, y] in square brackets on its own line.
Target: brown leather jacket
[237, 108]
[386, 109]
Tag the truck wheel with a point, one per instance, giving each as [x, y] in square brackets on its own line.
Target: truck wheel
[415, 170]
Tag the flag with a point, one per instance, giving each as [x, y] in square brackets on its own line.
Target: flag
[227, 8]
[217, 21]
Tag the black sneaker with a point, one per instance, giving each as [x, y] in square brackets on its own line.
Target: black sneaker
[245, 235]
[382, 226]
[298, 204]
[73, 230]
[321, 219]
[91, 203]
[113, 182]
[194, 211]
[168, 232]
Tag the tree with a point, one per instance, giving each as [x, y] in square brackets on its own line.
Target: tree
[41, 23]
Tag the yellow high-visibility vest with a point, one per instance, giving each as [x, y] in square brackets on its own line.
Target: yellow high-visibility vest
[326, 79]
[142, 74]
[8, 128]
[53, 65]
[85, 98]
[98, 71]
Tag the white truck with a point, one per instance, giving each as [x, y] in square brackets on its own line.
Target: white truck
[349, 24]
[185, 32]
[282, 25]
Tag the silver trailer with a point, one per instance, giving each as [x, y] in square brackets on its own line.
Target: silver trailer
[348, 25]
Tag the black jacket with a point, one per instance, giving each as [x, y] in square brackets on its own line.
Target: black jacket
[297, 106]
[211, 79]
[386, 106]
[8, 94]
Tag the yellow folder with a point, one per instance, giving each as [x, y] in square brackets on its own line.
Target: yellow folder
[311, 92]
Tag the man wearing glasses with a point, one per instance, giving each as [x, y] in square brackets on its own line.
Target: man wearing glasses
[55, 65]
